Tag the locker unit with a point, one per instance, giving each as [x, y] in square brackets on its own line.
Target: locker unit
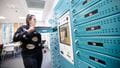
[94, 30]
[104, 26]
[102, 9]
[81, 5]
[97, 59]
[96, 33]
[62, 7]
[62, 15]
[106, 45]
[54, 45]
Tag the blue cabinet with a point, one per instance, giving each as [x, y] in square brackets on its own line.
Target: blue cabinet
[97, 59]
[54, 46]
[96, 33]
[62, 7]
[102, 9]
[81, 5]
[95, 27]
[106, 45]
[104, 26]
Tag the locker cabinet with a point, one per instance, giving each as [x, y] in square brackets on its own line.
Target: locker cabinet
[82, 5]
[100, 10]
[97, 59]
[105, 26]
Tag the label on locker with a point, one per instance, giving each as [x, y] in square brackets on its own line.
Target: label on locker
[105, 45]
[102, 9]
[105, 26]
[97, 59]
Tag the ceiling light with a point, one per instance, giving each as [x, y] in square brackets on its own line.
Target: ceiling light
[2, 17]
[22, 17]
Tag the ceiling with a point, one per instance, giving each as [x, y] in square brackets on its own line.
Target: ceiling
[35, 4]
[16, 10]
[12, 10]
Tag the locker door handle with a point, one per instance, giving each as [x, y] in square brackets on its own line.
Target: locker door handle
[77, 53]
[75, 30]
[62, 52]
[74, 21]
[73, 11]
[76, 42]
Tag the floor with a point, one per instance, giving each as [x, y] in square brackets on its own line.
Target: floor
[17, 62]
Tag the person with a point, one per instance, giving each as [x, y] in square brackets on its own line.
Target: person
[31, 43]
[1, 48]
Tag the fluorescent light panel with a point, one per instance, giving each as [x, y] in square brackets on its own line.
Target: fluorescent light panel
[22, 17]
[2, 17]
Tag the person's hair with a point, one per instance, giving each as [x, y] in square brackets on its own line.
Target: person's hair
[28, 18]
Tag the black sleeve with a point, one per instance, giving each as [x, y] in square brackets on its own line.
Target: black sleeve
[40, 40]
[20, 35]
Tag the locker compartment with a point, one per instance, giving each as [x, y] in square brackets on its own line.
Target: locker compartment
[97, 59]
[106, 45]
[105, 26]
[100, 10]
[83, 4]
[82, 64]
[62, 7]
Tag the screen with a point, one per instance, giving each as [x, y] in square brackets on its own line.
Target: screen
[64, 34]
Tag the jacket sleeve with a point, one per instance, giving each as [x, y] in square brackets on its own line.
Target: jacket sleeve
[20, 35]
[40, 40]
[39, 36]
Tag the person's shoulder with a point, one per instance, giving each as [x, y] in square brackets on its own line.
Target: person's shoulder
[22, 26]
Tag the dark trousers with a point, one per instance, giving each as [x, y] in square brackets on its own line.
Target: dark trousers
[33, 60]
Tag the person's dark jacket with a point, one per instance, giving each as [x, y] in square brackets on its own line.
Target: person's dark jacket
[26, 38]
